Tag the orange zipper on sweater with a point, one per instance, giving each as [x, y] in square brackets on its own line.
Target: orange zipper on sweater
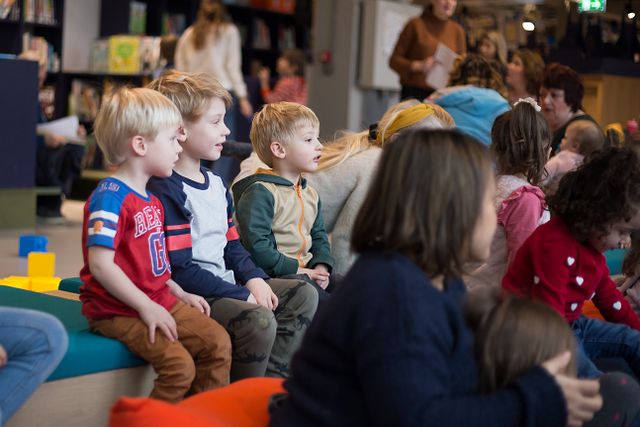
[300, 252]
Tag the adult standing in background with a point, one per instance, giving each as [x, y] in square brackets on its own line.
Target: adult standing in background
[412, 57]
[524, 75]
[561, 100]
[212, 45]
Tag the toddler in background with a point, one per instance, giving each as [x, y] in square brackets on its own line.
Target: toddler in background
[581, 139]
[291, 86]
[502, 323]
[595, 209]
[521, 141]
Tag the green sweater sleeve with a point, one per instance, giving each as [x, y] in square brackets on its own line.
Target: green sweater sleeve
[320, 248]
[254, 213]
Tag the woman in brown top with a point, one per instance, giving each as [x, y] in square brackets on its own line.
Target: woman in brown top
[412, 58]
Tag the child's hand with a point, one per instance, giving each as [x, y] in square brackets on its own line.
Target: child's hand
[196, 301]
[155, 317]
[320, 276]
[582, 397]
[633, 297]
[3, 356]
[262, 293]
[264, 74]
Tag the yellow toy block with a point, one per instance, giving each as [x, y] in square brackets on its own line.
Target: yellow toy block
[41, 264]
[44, 284]
[19, 282]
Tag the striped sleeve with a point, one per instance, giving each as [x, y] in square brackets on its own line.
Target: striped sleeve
[104, 214]
[184, 270]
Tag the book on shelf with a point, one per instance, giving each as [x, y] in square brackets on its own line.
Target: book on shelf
[286, 38]
[125, 54]
[99, 62]
[173, 23]
[40, 11]
[47, 98]
[261, 34]
[9, 9]
[84, 99]
[137, 17]
[149, 54]
[44, 49]
[283, 6]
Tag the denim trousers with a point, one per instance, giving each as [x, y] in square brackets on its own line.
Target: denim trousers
[598, 339]
[35, 343]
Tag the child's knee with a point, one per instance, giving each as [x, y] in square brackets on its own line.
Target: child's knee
[256, 326]
[180, 367]
[305, 300]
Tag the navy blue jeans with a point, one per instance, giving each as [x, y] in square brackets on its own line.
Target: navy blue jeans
[598, 339]
[35, 342]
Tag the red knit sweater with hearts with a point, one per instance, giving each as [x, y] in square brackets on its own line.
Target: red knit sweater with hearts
[555, 268]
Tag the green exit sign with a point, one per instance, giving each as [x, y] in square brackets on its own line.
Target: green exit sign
[592, 5]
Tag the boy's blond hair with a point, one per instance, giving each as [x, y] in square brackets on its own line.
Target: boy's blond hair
[278, 122]
[191, 92]
[127, 112]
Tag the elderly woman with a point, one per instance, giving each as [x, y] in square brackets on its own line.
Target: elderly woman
[474, 97]
[561, 98]
[412, 57]
[524, 75]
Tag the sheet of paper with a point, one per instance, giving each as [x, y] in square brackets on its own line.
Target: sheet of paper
[443, 59]
[66, 126]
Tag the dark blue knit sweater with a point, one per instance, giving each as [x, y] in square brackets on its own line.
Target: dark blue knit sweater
[389, 349]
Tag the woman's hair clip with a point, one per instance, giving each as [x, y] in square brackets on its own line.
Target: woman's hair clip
[529, 101]
[373, 131]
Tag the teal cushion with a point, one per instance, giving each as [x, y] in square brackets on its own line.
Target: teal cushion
[70, 284]
[614, 258]
[88, 353]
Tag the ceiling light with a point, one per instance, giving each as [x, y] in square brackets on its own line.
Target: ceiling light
[528, 26]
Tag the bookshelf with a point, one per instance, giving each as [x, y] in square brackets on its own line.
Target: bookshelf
[265, 33]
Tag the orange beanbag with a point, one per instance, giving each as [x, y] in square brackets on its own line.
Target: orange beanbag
[241, 404]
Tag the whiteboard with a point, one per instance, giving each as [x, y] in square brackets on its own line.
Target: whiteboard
[382, 22]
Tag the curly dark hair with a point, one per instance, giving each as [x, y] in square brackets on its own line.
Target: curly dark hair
[601, 192]
[474, 69]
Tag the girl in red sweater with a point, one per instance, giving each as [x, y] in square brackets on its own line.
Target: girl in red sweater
[595, 209]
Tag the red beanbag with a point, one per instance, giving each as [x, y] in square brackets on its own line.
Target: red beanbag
[241, 404]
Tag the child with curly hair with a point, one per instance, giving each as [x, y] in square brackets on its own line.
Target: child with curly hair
[595, 209]
[520, 146]
[474, 97]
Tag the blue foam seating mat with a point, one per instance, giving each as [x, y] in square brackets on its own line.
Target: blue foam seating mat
[88, 353]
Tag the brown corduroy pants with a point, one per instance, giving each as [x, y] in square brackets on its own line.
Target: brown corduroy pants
[199, 360]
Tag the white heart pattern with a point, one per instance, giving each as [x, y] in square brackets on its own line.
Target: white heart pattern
[574, 306]
[536, 280]
[617, 305]
[579, 280]
[570, 261]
